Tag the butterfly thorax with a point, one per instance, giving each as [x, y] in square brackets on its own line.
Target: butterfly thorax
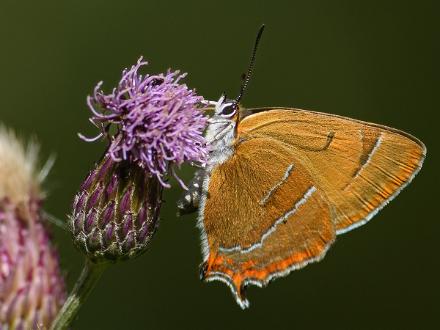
[220, 137]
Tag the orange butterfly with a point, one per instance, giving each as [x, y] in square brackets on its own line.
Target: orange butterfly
[281, 183]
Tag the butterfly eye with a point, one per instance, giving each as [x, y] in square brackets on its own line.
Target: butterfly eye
[229, 110]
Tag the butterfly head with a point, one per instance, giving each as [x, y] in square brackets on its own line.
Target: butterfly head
[226, 108]
[224, 120]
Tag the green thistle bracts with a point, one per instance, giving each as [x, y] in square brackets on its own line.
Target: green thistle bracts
[115, 214]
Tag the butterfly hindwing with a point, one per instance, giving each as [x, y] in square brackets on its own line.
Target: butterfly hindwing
[263, 216]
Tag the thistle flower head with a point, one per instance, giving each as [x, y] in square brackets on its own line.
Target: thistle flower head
[159, 121]
[115, 213]
[31, 287]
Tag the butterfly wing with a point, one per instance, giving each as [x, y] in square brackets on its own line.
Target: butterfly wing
[263, 217]
[295, 179]
[361, 166]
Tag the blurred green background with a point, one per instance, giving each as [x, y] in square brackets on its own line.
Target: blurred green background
[372, 60]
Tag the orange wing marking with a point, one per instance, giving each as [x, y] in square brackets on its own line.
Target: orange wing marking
[248, 274]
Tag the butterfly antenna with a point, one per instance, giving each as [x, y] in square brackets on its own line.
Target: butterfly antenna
[251, 66]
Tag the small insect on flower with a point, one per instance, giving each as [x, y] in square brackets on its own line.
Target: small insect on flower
[31, 287]
[153, 123]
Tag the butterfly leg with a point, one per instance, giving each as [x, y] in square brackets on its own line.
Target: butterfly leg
[189, 201]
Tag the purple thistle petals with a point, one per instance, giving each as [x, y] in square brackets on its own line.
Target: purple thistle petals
[159, 121]
[179, 180]
[92, 139]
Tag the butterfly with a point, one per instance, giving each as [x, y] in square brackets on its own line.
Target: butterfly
[281, 183]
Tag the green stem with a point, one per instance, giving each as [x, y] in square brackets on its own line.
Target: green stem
[83, 286]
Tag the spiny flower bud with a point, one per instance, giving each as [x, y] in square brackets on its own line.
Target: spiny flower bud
[115, 213]
[31, 287]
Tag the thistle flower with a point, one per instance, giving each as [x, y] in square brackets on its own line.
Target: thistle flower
[116, 210]
[159, 121]
[158, 124]
[31, 287]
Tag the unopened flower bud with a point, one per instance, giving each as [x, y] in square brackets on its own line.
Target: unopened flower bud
[31, 287]
[115, 213]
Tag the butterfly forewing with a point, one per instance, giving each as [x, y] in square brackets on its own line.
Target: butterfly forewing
[360, 166]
